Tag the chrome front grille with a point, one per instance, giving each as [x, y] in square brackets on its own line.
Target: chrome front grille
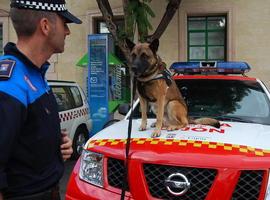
[201, 180]
[248, 186]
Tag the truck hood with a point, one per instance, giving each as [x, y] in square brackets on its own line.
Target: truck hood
[232, 145]
[246, 134]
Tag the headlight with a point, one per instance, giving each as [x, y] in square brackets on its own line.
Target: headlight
[91, 168]
[267, 194]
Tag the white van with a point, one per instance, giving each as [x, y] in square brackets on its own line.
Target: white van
[74, 112]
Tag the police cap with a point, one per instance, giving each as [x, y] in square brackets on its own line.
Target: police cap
[58, 6]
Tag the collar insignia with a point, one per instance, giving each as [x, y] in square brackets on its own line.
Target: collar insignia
[30, 83]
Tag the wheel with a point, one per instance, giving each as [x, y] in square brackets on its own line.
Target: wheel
[80, 138]
[110, 122]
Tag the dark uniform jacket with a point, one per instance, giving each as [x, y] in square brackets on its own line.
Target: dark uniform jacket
[30, 136]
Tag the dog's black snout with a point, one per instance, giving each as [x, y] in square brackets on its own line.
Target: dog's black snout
[139, 66]
[133, 68]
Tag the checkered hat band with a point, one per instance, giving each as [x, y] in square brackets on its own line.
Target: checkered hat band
[42, 6]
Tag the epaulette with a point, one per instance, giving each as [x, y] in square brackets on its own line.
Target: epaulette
[6, 68]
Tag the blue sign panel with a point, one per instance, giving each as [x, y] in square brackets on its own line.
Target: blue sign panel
[98, 80]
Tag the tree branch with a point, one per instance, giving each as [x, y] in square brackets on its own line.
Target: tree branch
[172, 6]
[107, 14]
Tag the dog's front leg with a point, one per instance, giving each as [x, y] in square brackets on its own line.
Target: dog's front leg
[143, 104]
[160, 114]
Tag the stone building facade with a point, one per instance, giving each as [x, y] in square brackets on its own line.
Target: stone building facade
[244, 38]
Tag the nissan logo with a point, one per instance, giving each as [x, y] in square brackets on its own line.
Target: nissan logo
[177, 184]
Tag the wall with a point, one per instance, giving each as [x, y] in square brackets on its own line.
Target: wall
[248, 28]
[252, 36]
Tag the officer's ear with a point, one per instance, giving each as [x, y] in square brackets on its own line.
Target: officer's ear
[45, 26]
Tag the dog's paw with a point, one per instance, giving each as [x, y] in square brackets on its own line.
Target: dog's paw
[173, 128]
[142, 128]
[156, 133]
[153, 125]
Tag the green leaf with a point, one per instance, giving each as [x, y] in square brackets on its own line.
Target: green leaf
[132, 5]
[138, 13]
[130, 25]
[147, 1]
[149, 10]
[149, 25]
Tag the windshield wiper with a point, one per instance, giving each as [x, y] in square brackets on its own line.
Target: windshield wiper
[233, 119]
[222, 118]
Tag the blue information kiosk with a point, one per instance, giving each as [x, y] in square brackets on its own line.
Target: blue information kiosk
[98, 79]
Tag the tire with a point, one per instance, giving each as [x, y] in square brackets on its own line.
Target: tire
[80, 138]
[110, 123]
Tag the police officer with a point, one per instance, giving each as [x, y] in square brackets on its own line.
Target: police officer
[32, 148]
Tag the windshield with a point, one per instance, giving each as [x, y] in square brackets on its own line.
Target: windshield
[234, 100]
[226, 100]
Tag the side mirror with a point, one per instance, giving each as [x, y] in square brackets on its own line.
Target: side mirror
[123, 108]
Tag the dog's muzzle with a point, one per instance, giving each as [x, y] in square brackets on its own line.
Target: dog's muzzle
[138, 67]
[134, 69]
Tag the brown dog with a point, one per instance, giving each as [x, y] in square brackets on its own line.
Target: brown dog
[155, 85]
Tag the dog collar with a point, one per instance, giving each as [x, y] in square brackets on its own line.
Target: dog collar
[166, 75]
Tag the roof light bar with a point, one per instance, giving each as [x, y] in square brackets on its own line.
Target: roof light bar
[208, 67]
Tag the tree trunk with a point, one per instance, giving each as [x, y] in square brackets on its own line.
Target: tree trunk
[107, 13]
[172, 7]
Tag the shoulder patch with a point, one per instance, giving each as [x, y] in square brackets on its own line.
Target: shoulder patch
[6, 68]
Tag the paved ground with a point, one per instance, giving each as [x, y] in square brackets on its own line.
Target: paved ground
[63, 182]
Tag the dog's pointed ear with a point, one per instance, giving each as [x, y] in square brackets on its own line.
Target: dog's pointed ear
[154, 45]
[130, 44]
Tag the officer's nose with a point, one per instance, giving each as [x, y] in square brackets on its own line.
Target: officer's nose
[67, 31]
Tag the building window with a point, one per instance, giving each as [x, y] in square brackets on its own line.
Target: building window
[101, 27]
[207, 38]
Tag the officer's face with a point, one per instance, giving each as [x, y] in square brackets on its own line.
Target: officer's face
[58, 34]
